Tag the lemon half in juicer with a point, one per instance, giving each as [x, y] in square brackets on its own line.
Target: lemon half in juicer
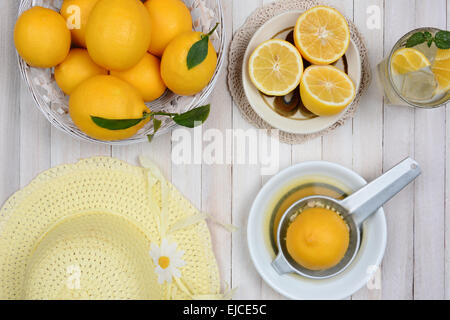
[354, 210]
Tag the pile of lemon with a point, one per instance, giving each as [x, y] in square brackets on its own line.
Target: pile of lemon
[321, 37]
[111, 56]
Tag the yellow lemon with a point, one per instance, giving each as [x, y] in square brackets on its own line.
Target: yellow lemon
[110, 98]
[275, 67]
[407, 60]
[146, 77]
[170, 18]
[118, 33]
[174, 69]
[322, 35]
[42, 37]
[77, 68]
[76, 13]
[441, 69]
[326, 90]
[317, 239]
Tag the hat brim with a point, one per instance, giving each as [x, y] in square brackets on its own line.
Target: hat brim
[100, 184]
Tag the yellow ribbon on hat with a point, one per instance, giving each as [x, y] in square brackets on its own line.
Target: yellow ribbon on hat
[155, 176]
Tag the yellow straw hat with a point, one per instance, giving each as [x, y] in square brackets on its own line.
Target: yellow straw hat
[103, 229]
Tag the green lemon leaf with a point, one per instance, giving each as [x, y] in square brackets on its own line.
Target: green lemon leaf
[116, 124]
[442, 39]
[194, 117]
[198, 53]
[156, 126]
[416, 39]
[428, 38]
[199, 50]
[189, 119]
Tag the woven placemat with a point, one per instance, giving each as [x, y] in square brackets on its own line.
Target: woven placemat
[236, 55]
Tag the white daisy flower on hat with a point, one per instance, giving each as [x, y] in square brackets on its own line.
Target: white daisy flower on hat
[167, 260]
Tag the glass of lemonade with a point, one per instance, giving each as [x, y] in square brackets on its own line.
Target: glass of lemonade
[413, 80]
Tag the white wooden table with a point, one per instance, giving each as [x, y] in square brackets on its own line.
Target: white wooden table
[417, 260]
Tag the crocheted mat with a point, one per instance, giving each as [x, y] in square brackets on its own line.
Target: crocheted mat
[239, 44]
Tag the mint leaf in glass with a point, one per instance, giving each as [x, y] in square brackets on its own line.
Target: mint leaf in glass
[416, 39]
[442, 39]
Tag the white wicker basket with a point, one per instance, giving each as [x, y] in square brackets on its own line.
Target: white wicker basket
[54, 104]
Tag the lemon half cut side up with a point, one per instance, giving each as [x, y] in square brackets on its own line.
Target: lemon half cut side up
[275, 67]
[322, 35]
[326, 90]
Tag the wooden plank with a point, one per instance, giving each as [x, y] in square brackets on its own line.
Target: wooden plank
[397, 272]
[66, 149]
[308, 151]
[34, 138]
[9, 102]
[158, 151]
[216, 181]
[368, 121]
[285, 150]
[447, 190]
[284, 160]
[429, 210]
[188, 179]
[88, 150]
[246, 184]
[337, 146]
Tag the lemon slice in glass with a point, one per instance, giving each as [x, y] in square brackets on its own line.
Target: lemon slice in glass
[441, 69]
[275, 67]
[326, 90]
[408, 60]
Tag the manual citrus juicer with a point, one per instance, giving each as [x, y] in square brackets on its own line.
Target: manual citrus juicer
[354, 209]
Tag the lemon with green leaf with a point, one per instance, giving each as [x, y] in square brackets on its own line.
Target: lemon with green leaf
[106, 97]
[108, 108]
[188, 63]
[170, 18]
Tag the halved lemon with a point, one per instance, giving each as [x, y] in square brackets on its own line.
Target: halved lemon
[276, 67]
[322, 35]
[408, 60]
[326, 90]
[441, 69]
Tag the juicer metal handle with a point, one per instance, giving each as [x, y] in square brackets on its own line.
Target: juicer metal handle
[281, 266]
[370, 198]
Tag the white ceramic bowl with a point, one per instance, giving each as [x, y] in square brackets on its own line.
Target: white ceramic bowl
[257, 100]
[370, 254]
